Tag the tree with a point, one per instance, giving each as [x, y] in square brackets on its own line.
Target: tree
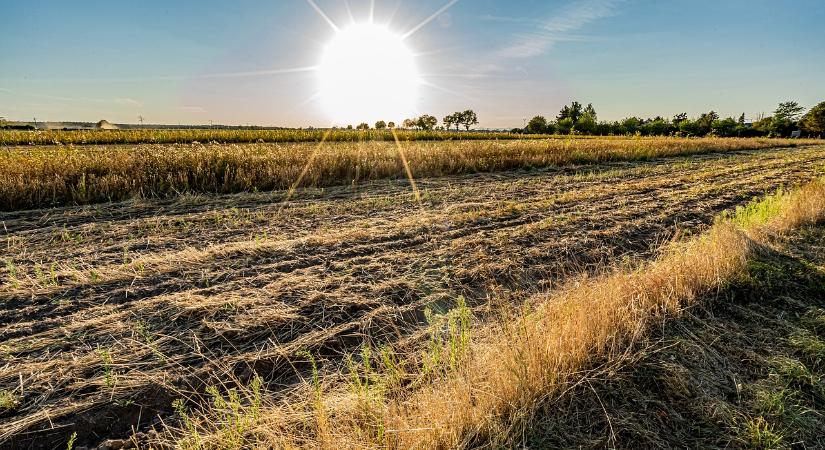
[380, 125]
[814, 121]
[573, 112]
[391, 124]
[631, 125]
[536, 125]
[689, 127]
[590, 110]
[427, 122]
[565, 126]
[363, 126]
[468, 118]
[679, 118]
[790, 111]
[349, 127]
[742, 119]
[586, 123]
[723, 128]
[409, 123]
[450, 120]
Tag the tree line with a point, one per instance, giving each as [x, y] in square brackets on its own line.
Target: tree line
[786, 119]
[426, 122]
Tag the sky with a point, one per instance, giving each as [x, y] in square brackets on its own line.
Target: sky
[255, 61]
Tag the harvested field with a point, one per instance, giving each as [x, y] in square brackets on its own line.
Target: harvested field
[110, 312]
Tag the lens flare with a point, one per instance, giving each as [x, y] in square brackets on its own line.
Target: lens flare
[367, 73]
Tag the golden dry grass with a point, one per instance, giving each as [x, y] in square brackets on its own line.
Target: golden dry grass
[114, 311]
[57, 175]
[516, 365]
[186, 136]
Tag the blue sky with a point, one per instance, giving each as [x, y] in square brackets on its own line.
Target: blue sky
[243, 62]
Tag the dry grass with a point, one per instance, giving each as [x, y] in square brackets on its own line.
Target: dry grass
[111, 312]
[48, 176]
[184, 136]
[517, 365]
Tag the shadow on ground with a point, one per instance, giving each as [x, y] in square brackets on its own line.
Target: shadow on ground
[747, 370]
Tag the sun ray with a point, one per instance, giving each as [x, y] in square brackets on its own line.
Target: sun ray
[393, 13]
[407, 169]
[323, 14]
[349, 12]
[303, 174]
[428, 19]
[431, 85]
[257, 73]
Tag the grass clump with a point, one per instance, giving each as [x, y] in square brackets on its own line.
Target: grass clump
[761, 434]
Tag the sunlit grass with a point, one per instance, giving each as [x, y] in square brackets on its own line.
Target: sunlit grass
[57, 175]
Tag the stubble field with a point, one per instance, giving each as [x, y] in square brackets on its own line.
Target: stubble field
[112, 311]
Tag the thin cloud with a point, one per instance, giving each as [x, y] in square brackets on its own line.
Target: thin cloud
[192, 109]
[558, 28]
[129, 102]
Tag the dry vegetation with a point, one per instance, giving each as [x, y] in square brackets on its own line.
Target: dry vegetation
[343, 317]
[58, 175]
[184, 136]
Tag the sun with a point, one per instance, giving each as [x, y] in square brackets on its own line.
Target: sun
[367, 73]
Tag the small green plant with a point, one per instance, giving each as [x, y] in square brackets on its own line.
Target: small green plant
[8, 401]
[760, 434]
[106, 364]
[70, 443]
[809, 347]
[449, 340]
[11, 269]
[192, 439]
[236, 415]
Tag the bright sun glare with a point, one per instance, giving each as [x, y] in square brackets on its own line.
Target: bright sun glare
[367, 74]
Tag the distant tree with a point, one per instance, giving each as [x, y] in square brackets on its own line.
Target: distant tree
[679, 118]
[349, 127]
[586, 123]
[631, 125]
[468, 118]
[573, 112]
[391, 124]
[814, 121]
[689, 127]
[2, 122]
[410, 123]
[656, 127]
[536, 125]
[450, 120]
[565, 126]
[790, 111]
[380, 125]
[724, 127]
[590, 110]
[764, 125]
[741, 119]
[363, 126]
[427, 122]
